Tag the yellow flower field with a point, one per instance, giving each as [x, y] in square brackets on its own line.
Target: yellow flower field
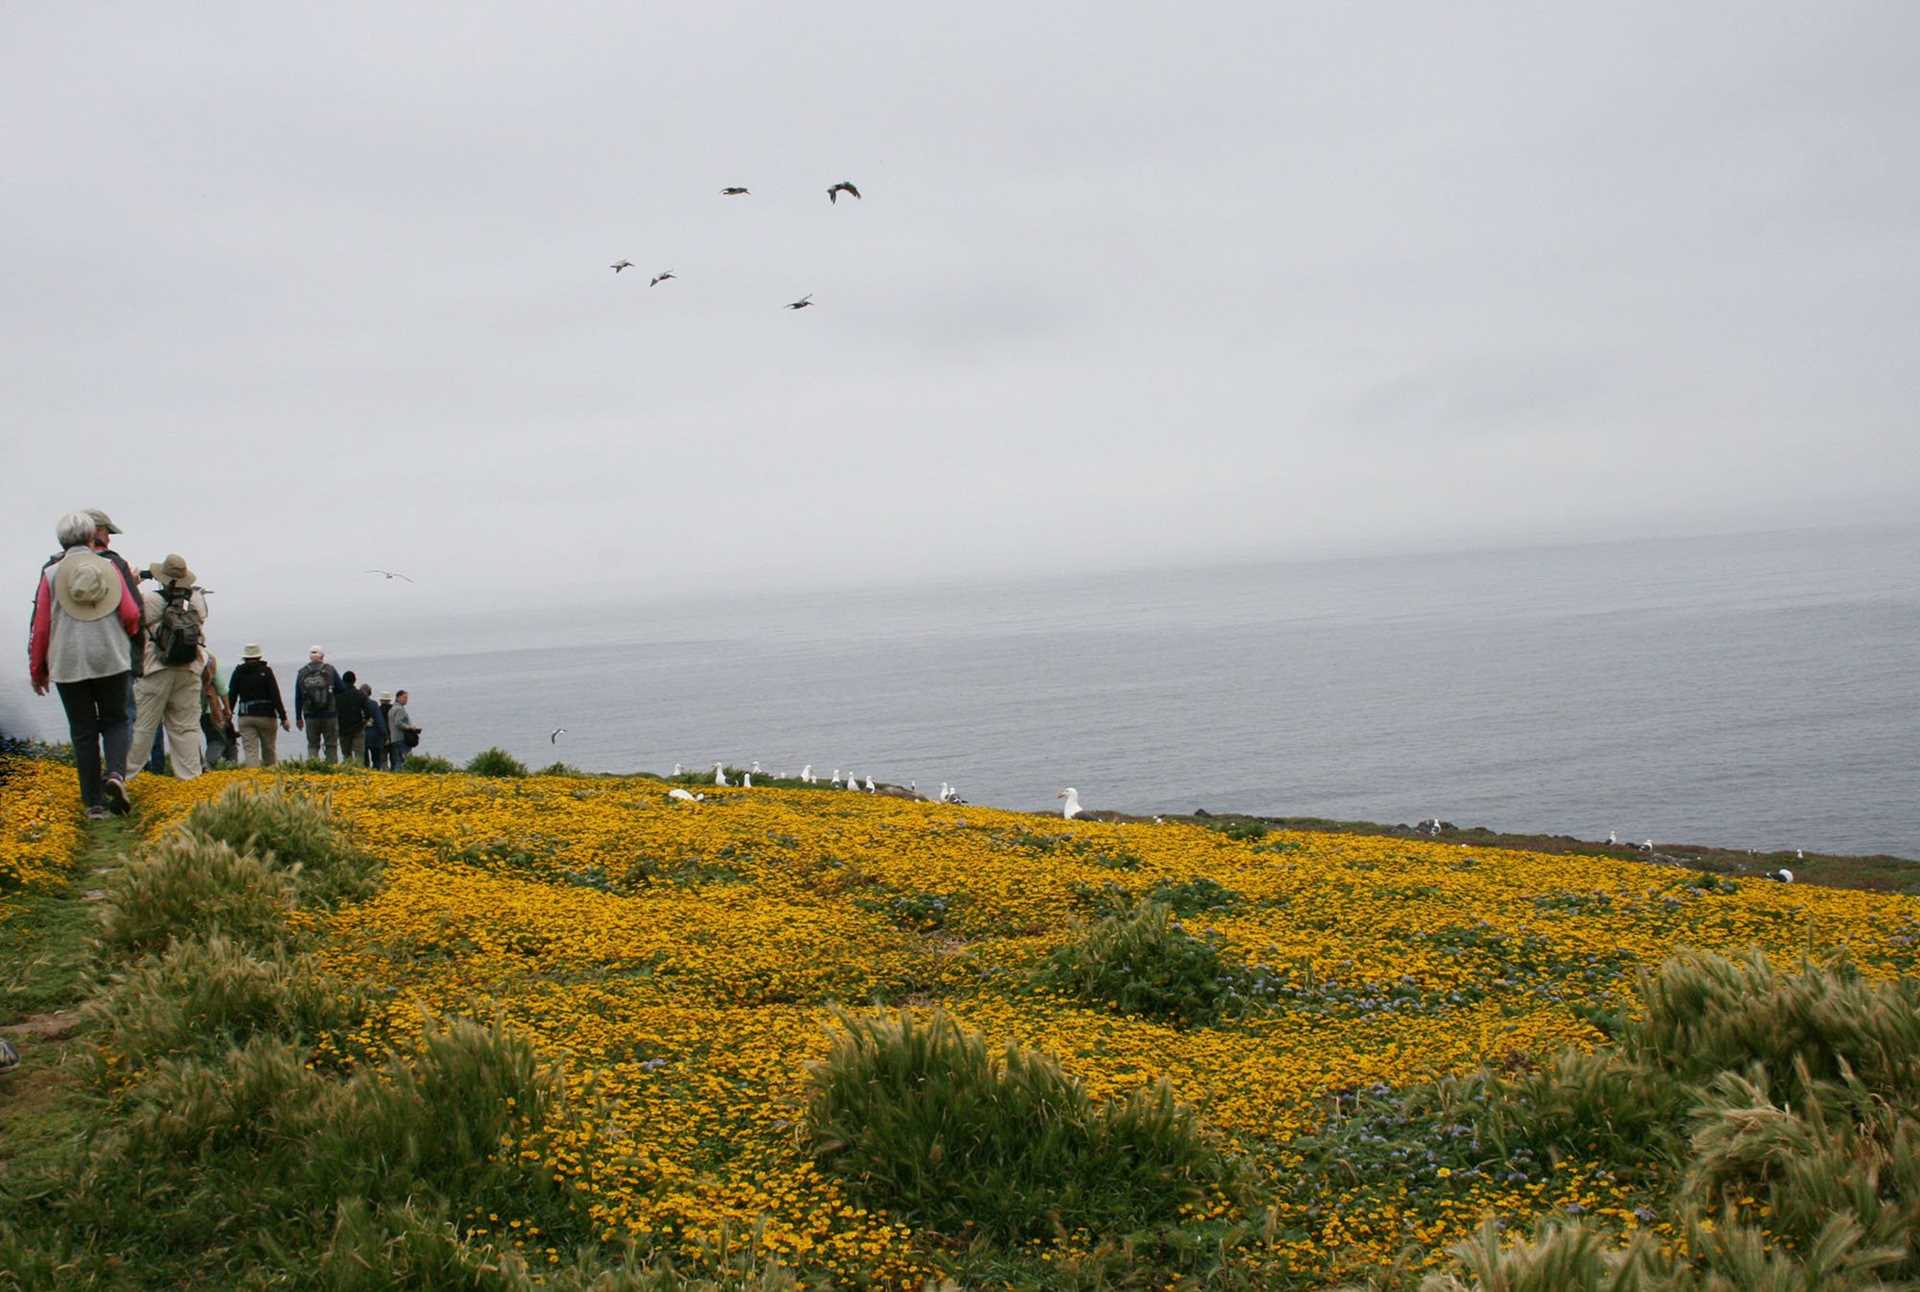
[39, 827]
[679, 961]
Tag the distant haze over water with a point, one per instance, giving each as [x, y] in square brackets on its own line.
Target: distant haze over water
[1751, 691]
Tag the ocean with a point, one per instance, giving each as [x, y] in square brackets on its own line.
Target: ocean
[1760, 690]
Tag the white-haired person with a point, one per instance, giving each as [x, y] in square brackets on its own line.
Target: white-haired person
[84, 615]
[168, 692]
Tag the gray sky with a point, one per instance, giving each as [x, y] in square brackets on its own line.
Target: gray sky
[298, 291]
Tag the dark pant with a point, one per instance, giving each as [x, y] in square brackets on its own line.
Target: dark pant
[325, 728]
[99, 713]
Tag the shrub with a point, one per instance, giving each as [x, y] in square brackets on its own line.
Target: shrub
[919, 1118]
[187, 886]
[560, 769]
[495, 761]
[1142, 962]
[1245, 831]
[204, 996]
[293, 833]
[428, 765]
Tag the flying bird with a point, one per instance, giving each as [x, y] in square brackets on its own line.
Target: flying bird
[800, 304]
[390, 574]
[553, 738]
[844, 186]
[618, 265]
[661, 278]
[733, 190]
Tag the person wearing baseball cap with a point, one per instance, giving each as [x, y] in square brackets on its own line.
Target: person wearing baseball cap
[85, 617]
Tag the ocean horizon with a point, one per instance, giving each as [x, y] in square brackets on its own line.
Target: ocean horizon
[1754, 690]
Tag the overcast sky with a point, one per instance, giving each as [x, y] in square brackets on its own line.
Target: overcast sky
[296, 291]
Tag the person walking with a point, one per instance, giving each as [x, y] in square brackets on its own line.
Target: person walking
[402, 735]
[316, 694]
[168, 692]
[85, 616]
[254, 695]
[215, 719]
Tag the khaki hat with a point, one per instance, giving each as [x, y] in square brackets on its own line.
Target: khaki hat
[172, 570]
[252, 651]
[87, 585]
[386, 697]
[103, 521]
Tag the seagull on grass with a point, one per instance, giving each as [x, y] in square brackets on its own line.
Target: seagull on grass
[662, 277]
[844, 186]
[1071, 808]
[389, 575]
[685, 796]
[733, 190]
[618, 265]
[800, 304]
[719, 774]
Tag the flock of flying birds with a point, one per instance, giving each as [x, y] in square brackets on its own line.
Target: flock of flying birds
[735, 190]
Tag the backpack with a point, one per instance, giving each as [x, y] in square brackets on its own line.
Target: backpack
[316, 688]
[176, 638]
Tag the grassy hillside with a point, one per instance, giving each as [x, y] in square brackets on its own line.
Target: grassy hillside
[780, 1031]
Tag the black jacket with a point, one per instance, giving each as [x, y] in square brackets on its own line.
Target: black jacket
[254, 692]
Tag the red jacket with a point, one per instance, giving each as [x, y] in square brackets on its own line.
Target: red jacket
[42, 631]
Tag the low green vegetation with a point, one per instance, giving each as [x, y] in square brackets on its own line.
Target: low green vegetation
[918, 1116]
[495, 761]
[1142, 960]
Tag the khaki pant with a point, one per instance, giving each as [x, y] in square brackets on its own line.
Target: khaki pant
[170, 698]
[353, 747]
[258, 735]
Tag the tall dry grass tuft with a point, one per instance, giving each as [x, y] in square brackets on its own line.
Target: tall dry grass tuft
[185, 886]
[292, 832]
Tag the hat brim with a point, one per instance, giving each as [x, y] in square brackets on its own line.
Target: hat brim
[73, 606]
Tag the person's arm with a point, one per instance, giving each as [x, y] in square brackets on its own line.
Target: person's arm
[279, 706]
[40, 635]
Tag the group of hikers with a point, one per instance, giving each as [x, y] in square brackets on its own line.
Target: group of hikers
[131, 663]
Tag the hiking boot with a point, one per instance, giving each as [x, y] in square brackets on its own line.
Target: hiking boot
[115, 790]
[9, 1057]
[98, 813]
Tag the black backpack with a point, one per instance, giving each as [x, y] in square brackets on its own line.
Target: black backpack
[176, 638]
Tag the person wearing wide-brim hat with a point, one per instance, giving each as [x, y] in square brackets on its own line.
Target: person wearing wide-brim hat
[80, 644]
[253, 693]
[167, 693]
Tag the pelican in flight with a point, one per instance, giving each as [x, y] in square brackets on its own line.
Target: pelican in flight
[844, 186]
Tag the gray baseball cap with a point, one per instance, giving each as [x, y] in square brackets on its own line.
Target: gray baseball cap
[103, 520]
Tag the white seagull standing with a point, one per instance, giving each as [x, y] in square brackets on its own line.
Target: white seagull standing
[806, 774]
[746, 779]
[719, 774]
[755, 769]
[1071, 808]
[870, 785]
[1613, 838]
[853, 782]
[835, 782]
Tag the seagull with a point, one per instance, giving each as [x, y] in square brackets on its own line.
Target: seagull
[806, 774]
[1647, 846]
[800, 304]
[853, 782]
[733, 190]
[1071, 808]
[756, 766]
[719, 774]
[1782, 875]
[1799, 854]
[1613, 838]
[678, 770]
[390, 574]
[684, 796]
[844, 186]
[746, 779]
[835, 782]
[618, 265]
[943, 793]
[553, 737]
[661, 278]
[870, 787]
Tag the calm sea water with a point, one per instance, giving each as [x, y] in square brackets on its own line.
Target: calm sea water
[1757, 691]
